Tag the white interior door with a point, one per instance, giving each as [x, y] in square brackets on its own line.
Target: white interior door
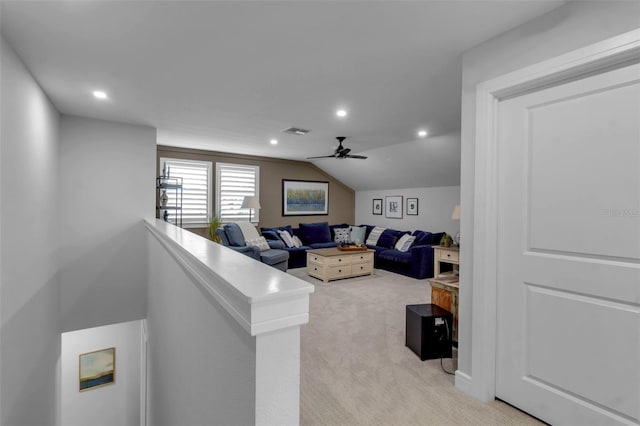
[568, 333]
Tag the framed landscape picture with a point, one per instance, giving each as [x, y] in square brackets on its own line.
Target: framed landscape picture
[304, 197]
[377, 206]
[393, 206]
[97, 369]
[412, 206]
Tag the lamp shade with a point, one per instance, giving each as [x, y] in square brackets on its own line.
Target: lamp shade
[250, 203]
[456, 213]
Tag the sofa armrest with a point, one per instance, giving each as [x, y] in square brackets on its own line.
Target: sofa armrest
[251, 251]
[422, 261]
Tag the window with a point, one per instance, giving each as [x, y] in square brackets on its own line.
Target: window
[196, 190]
[234, 182]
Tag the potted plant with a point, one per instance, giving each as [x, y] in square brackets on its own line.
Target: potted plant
[446, 240]
[214, 223]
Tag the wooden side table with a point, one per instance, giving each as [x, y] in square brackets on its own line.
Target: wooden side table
[445, 286]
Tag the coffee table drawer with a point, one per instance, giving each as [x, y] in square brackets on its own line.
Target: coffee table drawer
[362, 258]
[338, 260]
[361, 268]
[338, 271]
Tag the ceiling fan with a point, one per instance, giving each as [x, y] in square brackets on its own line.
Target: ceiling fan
[341, 152]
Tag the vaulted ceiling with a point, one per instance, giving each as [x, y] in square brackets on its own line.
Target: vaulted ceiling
[230, 76]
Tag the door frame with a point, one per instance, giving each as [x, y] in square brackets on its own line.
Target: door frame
[590, 60]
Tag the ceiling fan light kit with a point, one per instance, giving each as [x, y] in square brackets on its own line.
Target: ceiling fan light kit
[341, 152]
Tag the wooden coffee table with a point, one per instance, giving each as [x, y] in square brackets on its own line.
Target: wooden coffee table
[333, 264]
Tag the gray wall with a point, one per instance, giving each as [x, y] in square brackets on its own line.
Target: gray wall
[567, 28]
[195, 380]
[435, 206]
[30, 342]
[106, 188]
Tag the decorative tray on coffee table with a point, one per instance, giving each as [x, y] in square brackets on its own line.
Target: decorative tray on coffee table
[352, 247]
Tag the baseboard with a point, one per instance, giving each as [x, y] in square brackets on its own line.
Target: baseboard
[463, 382]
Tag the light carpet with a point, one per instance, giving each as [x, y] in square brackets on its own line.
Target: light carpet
[356, 369]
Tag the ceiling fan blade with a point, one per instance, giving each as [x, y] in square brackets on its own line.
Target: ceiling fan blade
[359, 157]
[321, 156]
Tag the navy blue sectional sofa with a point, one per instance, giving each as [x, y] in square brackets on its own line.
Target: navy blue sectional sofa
[417, 262]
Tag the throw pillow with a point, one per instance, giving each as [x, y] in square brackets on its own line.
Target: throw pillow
[296, 241]
[259, 242]
[311, 233]
[343, 235]
[234, 234]
[358, 233]
[286, 237]
[404, 243]
[374, 235]
[388, 238]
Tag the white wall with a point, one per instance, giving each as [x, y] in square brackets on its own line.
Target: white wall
[106, 189]
[117, 404]
[435, 206]
[30, 342]
[567, 28]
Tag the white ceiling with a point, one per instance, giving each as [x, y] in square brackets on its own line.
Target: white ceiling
[229, 76]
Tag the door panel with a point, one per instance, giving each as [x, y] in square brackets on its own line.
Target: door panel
[568, 291]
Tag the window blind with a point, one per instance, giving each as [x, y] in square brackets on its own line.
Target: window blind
[196, 190]
[234, 182]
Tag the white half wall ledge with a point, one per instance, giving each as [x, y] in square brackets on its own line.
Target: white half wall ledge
[260, 298]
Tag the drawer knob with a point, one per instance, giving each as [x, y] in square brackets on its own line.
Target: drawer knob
[339, 270]
[339, 260]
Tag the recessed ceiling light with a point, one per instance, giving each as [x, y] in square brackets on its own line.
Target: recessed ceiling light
[422, 133]
[273, 141]
[99, 94]
[341, 113]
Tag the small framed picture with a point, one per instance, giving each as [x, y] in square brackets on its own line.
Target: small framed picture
[377, 206]
[393, 206]
[412, 206]
[97, 369]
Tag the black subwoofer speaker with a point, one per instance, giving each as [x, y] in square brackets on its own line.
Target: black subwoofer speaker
[428, 331]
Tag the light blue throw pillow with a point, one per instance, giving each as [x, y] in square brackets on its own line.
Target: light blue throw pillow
[358, 233]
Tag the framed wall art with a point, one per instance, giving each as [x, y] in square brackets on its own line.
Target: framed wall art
[377, 206]
[412, 206]
[393, 206]
[304, 197]
[97, 369]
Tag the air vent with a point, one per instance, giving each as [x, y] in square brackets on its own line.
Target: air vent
[296, 131]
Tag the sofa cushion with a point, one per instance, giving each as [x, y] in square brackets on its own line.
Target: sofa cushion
[389, 237]
[368, 228]
[374, 235]
[234, 235]
[271, 257]
[311, 233]
[405, 242]
[435, 238]
[395, 256]
[358, 234]
[342, 235]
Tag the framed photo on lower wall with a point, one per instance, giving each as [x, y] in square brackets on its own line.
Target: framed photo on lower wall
[97, 369]
[393, 206]
[377, 206]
